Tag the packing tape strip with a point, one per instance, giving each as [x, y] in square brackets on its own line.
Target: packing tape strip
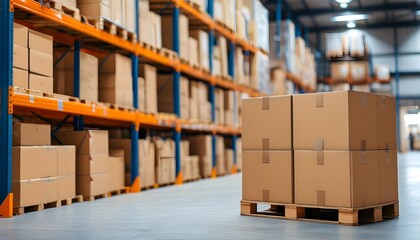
[265, 144]
[383, 102]
[363, 158]
[265, 195]
[320, 197]
[319, 144]
[363, 144]
[319, 103]
[320, 158]
[266, 103]
[363, 99]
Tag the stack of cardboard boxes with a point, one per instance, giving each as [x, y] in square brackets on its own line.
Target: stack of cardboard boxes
[33, 52]
[200, 107]
[258, 24]
[64, 74]
[165, 160]
[220, 156]
[201, 146]
[229, 108]
[202, 38]
[341, 44]
[150, 25]
[189, 163]
[116, 84]
[220, 64]
[224, 12]
[165, 89]
[41, 173]
[147, 88]
[344, 156]
[167, 35]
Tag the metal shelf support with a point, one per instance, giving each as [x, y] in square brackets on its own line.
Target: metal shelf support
[231, 71]
[78, 123]
[278, 28]
[6, 68]
[177, 96]
[397, 87]
[135, 163]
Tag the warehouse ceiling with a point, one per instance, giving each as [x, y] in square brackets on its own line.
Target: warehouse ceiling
[316, 15]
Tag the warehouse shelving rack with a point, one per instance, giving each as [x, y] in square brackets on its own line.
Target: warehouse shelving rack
[73, 33]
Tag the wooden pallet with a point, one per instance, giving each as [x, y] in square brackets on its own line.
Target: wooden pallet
[73, 12]
[149, 47]
[63, 97]
[37, 207]
[107, 25]
[224, 26]
[167, 53]
[96, 197]
[118, 192]
[346, 216]
[70, 201]
[185, 61]
[21, 90]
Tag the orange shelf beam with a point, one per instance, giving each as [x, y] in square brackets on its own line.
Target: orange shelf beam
[196, 73]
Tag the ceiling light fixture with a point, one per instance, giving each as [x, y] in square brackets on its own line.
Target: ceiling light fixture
[344, 5]
[351, 24]
[349, 17]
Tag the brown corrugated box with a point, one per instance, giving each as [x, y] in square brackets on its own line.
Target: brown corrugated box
[195, 167]
[258, 113]
[34, 162]
[86, 142]
[167, 34]
[150, 76]
[165, 160]
[220, 155]
[41, 83]
[333, 121]
[40, 42]
[66, 160]
[40, 63]
[229, 159]
[141, 94]
[387, 176]
[34, 191]
[116, 176]
[66, 187]
[20, 35]
[267, 176]
[203, 45]
[20, 57]
[336, 178]
[165, 93]
[95, 10]
[386, 122]
[92, 185]
[31, 134]
[91, 164]
[202, 147]
[20, 78]
[186, 166]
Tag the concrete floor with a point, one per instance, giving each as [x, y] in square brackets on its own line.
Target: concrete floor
[207, 209]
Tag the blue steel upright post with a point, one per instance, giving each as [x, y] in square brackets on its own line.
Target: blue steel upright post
[231, 71]
[177, 97]
[278, 28]
[78, 121]
[212, 89]
[397, 86]
[6, 111]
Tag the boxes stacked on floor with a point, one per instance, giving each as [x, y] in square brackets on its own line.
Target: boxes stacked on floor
[219, 106]
[344, 157]
[41, 173]
[165, 89]
[33, 52]
[115, 81]
[267, 162]
[148, 88]
[116, 169]
[344, 153]
[164, 161]
[146, 160]
[64, 74]
[201, 146]
[189, 163]
[239, 154]
[200, 107]
[220, 156]
[92, 158]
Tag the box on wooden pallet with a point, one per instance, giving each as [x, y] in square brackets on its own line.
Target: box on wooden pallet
[167, 34]
[89, 164]
[186, 166]
[203, 46]
[195, 167]
[20, 57]
[20, 78]
[40, 63]
[64, 75]
[336, 178]
[116, 169]
[239, 154]
[34, 191]
[87, 142]
[40, 42]
[202, 147]
[267, 176]
[386, 122]
[31, 134]
[165, 161]
[66, 160]
[166, 97]
[66, 187]
[149, 74]
[93, 185]
[258, 113]
[20, 35]
[41, 83]
[33, 162]
[387, 176]
[339, 121]
[156, 29]
[95, 9]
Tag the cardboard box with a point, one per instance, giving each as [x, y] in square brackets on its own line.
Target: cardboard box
[340, 71]
[20, 35]
[386, 122]
[220, 155]
[141, 94]
[20, 78]
[186, 166]
[66, 160]
[40, 63]
[336, 178]
[359, 71]
[193, 52]
[202, 147]
[239, 154]
[195, 167]
[149, 74]
[166, 96]
[338, 121]
[40, 42]
[129, 15]
[20, 57]
[92, 185]
[34, 162]
[87, 142]
[267, 176]
[229, 160]
[267, 123]
[41, 83]
[165, 170]
[203, 46]
[156, 29]
[91, 164]
[116, 171]
[31, 134]
[66, 187]
[387, 176]
[35, 191]
[167, 34]
[194, 106]
[146, 158]
[95, 10]
[64, 75]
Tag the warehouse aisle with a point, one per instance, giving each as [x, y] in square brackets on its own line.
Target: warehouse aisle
[207, 209]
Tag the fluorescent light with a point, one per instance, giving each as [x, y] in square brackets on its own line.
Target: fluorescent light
[351, 24]
[343, 1]
[344, 5]
[349, 17]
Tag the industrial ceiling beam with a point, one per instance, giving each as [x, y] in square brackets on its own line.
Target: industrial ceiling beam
[377, 25]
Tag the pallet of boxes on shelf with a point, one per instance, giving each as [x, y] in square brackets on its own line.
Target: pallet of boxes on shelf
[258, 20]
[224, 13]
[220, 63]
[344, 160]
